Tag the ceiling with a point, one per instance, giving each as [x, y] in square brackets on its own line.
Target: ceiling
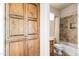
[60, 5]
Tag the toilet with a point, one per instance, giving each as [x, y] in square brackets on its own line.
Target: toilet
[59, 49]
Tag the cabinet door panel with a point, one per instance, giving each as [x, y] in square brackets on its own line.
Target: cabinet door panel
[33, 12]
[16, 8]
[16, 27]
[33, 27]
[16, 48]
[33, 47]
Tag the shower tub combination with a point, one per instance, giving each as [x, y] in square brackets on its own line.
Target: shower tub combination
[69, 48]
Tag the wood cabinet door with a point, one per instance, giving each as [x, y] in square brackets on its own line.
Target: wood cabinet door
[33, 26]
[15, 34]
[22, 29]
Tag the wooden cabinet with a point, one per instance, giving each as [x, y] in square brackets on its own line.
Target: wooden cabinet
[52, 48]
[22, 29]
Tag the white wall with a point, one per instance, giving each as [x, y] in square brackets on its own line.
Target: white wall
[2, 29]
[56, 22]
[70, 10]
[55, 11]
[44, 29]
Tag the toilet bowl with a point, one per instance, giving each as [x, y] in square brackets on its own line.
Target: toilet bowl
[59, 48]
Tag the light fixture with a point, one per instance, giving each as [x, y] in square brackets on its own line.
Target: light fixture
[51, 16]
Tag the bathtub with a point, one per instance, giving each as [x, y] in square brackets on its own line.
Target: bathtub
[69, 48]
